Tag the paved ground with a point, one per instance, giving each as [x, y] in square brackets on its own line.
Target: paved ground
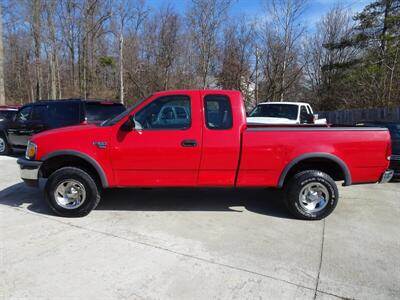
[198, 244]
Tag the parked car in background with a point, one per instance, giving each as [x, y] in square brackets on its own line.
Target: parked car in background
[394, 129]
[283, 113]
[49, 114]
[189, 138]
[7, 112]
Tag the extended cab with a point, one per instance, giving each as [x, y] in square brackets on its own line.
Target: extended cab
[201, 139]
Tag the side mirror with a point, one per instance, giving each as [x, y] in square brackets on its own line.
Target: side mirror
[128, 125]
[131, 124]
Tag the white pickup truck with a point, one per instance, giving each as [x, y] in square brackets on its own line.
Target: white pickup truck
[283, 113]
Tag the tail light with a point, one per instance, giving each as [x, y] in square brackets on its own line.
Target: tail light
[389, 150]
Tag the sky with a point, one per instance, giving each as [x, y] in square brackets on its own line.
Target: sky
[314, 8]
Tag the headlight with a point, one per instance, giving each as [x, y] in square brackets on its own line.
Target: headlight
[31, 151]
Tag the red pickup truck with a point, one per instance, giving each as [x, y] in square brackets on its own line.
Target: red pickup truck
[201, 139]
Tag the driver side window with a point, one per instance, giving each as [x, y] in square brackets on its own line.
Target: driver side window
[170, 112]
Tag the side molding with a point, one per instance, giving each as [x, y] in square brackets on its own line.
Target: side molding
[87, 158]
[331, 157]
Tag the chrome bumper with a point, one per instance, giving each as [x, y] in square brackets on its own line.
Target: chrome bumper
[387, 176]
[29, 171]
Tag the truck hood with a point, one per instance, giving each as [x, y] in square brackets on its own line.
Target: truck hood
[79, 138]
[76, 129]
[269, 120]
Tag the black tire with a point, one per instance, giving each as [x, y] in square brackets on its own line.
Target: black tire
[6, 149]
[91, 188]
[315, 179]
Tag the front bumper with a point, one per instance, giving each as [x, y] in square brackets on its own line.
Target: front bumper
[387, 176]
[29, 170]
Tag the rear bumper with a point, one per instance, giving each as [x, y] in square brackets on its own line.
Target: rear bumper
[386, 176]
[29, 170]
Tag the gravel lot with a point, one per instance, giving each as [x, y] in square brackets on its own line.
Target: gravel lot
[198, 244]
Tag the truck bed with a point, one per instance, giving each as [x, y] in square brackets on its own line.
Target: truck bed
[267, 150]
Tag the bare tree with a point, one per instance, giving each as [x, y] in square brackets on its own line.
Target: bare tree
[280, 38]
[71, 29]
[322, 62]
[167, 44]
[2, 93]
[36, 24]
[205, 19]
[130, 13]
[236, 58]
[50, 10]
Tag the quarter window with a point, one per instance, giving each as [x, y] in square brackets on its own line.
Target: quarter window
[170, 112]
[218, 112]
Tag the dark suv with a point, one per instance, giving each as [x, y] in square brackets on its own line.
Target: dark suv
[394, 129]
[49, 114]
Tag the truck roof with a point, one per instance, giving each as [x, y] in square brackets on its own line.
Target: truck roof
[292, 103]
[171, 92]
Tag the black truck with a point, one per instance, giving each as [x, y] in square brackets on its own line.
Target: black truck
[49, 114]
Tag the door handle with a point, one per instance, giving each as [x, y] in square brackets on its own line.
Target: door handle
[189, 143]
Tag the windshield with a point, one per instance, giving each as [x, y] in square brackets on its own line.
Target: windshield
[286, 111]
[117, 118]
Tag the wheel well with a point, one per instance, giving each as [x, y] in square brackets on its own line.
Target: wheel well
[3, 134]
[330, 167]
[51, 165]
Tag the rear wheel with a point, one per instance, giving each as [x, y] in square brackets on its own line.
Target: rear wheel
[4, 146]
[311, 195]
[72, 192]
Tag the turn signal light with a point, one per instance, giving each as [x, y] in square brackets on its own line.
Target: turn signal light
[30, 151]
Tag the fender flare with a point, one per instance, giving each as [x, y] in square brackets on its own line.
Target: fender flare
[87, 158]
[331, 157]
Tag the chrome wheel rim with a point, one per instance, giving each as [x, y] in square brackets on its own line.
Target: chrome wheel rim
[70, 194]
[314, 197]
[2, 145]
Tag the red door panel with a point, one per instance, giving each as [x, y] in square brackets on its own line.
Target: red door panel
[221, 140]
[158, 156]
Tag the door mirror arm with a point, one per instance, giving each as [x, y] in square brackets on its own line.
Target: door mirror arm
[131, 124]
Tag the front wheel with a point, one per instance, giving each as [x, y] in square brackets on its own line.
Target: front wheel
[311, 195]
[72, 192]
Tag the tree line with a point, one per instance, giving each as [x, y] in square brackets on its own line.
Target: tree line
[124, 50]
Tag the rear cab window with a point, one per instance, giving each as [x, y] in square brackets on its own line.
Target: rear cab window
[218, 112]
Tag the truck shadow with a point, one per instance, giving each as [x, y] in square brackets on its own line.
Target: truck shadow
[262, 201]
